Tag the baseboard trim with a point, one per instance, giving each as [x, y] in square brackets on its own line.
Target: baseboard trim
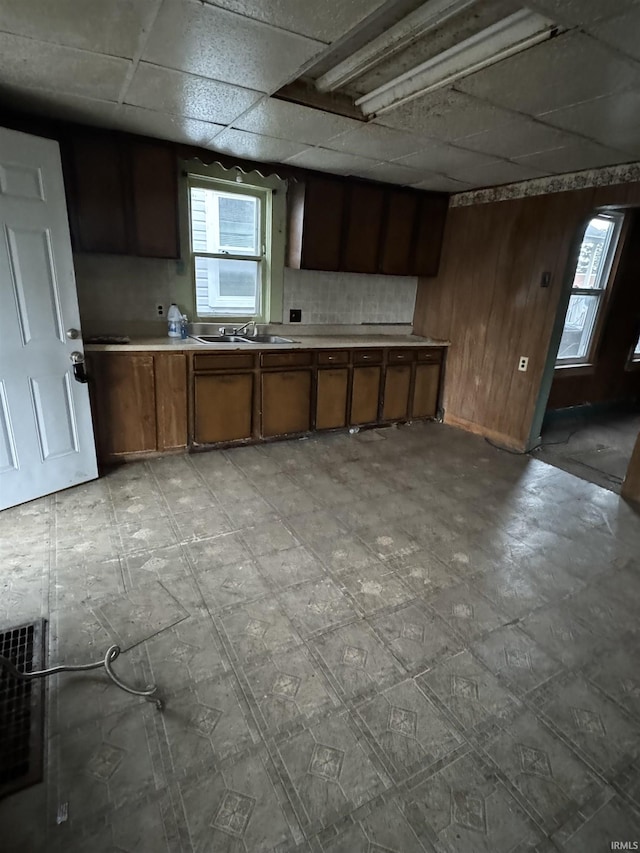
[506, 441]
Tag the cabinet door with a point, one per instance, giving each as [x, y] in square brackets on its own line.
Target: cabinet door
[397, 240]
[364, 227]
[125, 403]
[155, 199]
[286, 402]
[425, 391]
[97, 196]
[396, 393]
[429, 232]
[322, 224]
[171, 399]
[365, 394]
[223, 407]
[331, 410]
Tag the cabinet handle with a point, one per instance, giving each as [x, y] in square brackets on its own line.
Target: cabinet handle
[330, 358]
[365, 357]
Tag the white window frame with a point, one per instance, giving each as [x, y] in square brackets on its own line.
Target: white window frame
[601, 293]
[263, 258]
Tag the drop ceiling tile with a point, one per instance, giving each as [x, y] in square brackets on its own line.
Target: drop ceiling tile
[620, 32]
[442, 184]
[213, 42]
[565, 70]
[183, 94]
[376, 141]
[445, 159]
[58, 105]
[579, 12]
[325, 21]
[446, 115]
[115, 28]
[495, 174]
[39, 65]
[392, 173]
[187, 131]
[524, 136]
[285, 120]
[254, 146]
[613, 120]
[331, 161]
[573, 158]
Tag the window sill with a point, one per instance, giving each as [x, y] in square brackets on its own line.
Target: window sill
[632, 365]
[562, 370]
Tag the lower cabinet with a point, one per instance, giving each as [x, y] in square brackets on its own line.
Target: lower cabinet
[223, 407]
[365, 395]
[425, 391]
[286, 402]
[397, 385]
[139, 402]
[331, 398]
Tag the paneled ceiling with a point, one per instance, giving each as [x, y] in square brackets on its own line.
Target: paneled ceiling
[204, 72]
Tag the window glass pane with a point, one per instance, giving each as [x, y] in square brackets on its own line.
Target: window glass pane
[224, 222]
[592, 268]
[636, 352]
[227, 287]
[578, 326]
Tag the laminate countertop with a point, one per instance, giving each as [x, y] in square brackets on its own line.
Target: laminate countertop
[167, 344]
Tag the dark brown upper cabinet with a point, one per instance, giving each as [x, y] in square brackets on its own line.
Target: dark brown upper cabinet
[122, 195]
[344, 225]
[365, 207]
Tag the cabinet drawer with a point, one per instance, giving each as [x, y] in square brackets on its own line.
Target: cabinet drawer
[431, 355]
[367, 356]
[333, 357]
[286, 359]
[400, 355]
[223, 361]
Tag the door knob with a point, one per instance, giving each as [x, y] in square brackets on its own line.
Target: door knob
[79, 372]
[73, 334]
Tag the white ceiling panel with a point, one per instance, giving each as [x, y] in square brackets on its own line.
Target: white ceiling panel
[524, 136]
[285, 120]
[565, 70]
[326, 20]
[580, 12]
[40, 65]
[495, 174]
[174, 128]
[60, 106]
[331, 161]
[254, 146]
[446, 159]
[116, 28]
[573, 158]
[441, 184]
[213, 42]
[392, 173]
[613, 121]
[446, 115]
[187, 95]
[622, 32]
[376, 141]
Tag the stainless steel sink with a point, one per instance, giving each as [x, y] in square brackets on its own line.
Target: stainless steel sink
[238, 339]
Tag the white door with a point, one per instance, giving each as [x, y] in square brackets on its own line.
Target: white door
[46, 435]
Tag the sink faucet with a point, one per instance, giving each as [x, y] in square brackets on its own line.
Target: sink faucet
[245, 326]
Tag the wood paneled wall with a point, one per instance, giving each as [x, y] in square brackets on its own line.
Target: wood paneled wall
[488, 301]
[609, 380]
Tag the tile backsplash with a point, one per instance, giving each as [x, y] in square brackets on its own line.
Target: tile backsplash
[119, 295]
[337, 297]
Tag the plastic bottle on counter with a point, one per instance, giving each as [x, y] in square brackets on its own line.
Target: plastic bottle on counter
[174, 320]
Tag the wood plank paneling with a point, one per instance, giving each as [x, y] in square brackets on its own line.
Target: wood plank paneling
[488, 300]
[631, 486]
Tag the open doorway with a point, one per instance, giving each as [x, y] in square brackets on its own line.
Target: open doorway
[592, 418]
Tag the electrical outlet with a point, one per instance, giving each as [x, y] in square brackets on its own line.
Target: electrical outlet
[523, 364]
[160, 310]
[295, 315]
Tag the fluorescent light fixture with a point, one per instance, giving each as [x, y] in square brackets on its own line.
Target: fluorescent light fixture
[505, 38]
[421, 21]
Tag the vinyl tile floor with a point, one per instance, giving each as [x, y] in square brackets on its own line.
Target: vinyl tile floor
[403, 640]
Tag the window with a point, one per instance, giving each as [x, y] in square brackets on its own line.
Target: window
[635, 355]
[588, 290]
[230, 248]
